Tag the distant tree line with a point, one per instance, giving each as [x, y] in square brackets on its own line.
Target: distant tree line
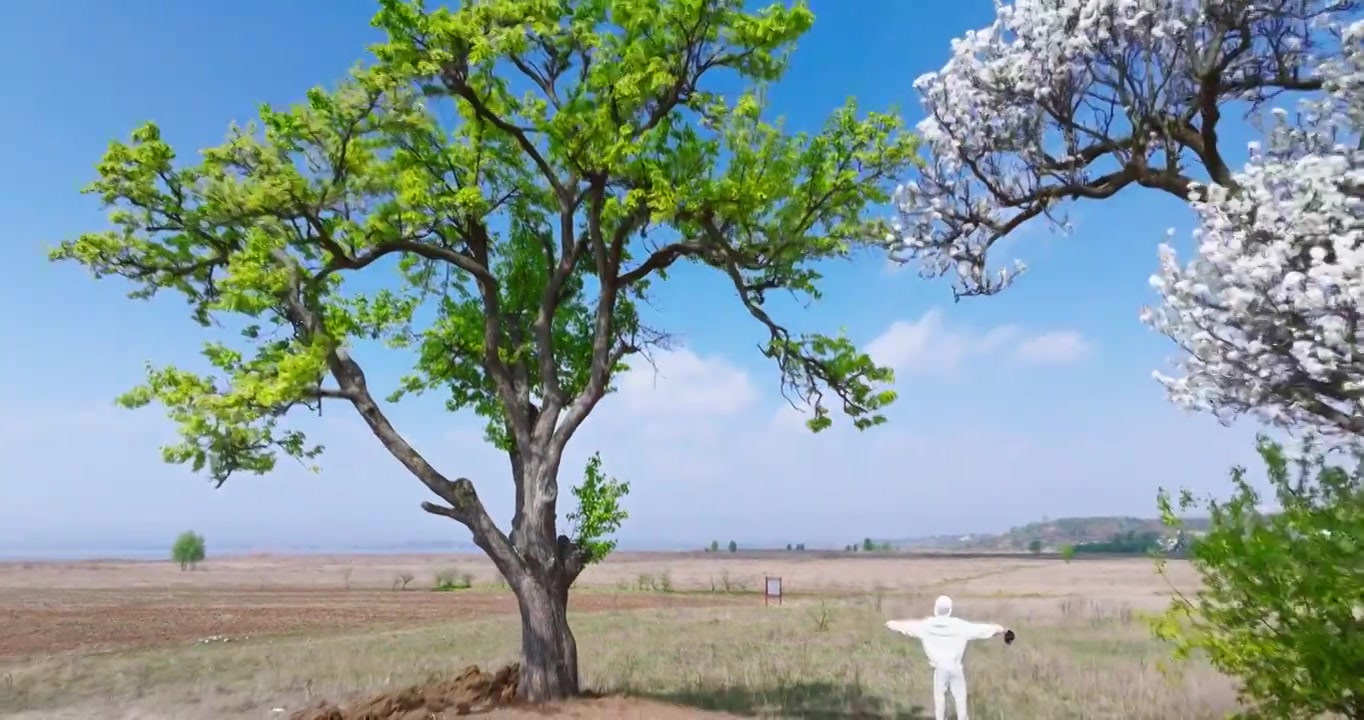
[714, 547]
[869, 545]
[1126, 543]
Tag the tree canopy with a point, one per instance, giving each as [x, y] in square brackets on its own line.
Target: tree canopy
[492, 197]
[514, 231]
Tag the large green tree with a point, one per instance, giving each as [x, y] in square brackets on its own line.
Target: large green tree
[493, 196]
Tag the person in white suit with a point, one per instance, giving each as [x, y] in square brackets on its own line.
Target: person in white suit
[944, 639]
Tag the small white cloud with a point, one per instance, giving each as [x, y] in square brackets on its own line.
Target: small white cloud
[999, 337]
[929, 344]
[924, 344]
[1063, 347]
[788, 417]
[681, 383]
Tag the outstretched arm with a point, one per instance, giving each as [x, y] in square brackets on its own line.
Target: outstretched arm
[982, 631]
[906, 627]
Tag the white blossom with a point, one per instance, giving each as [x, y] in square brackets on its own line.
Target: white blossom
[1268, 311]
[1065, 100]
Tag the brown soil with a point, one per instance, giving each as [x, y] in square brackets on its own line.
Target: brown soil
[35, 623]
[470, 691]
[492, 694]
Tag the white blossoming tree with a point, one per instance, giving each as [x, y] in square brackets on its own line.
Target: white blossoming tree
[1068, 100]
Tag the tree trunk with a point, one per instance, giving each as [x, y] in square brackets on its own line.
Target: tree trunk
[549, 652]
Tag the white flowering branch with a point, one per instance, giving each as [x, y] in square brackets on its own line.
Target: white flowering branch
[1065, 100]
[1268, 311]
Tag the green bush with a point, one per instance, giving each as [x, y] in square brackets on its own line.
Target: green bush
[450, 579]
[1282, 603]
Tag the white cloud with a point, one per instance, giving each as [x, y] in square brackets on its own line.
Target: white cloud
[682, 384]
[1063, 347]
[930, 345]
[923, 344]
[788, 417]
[693, 442]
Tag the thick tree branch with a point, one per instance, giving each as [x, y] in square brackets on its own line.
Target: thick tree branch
[572, 559]
[662, 259]
[463, 502]
[571, 249]
[606, 353]
[456, 85]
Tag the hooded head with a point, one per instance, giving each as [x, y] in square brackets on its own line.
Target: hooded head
[942, 607]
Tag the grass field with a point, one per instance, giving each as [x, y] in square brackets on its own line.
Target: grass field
[681, 635]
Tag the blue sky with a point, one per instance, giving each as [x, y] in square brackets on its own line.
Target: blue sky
[1037, 402]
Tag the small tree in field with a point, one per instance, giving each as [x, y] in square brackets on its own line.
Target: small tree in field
[598, 513]
[1282, 601]
[494, 196]
[188, 550]
[1035, 547]
[733, 546]
[1079, 100]
[714, 546]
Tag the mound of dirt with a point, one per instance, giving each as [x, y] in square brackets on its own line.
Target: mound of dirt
[471, 691]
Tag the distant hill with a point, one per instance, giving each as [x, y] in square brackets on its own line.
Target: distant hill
[1052, 533]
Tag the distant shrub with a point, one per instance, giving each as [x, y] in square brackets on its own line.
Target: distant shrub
[188, 550]
[450, 579]
[822, 615]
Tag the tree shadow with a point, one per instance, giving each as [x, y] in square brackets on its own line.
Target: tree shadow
[800, 701]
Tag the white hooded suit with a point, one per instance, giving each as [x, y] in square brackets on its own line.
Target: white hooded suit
[944, 639]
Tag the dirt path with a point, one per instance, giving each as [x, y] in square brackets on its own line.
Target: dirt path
[34, 622]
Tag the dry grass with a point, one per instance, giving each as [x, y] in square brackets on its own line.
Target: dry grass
[1013, 575]
[1079, 654]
